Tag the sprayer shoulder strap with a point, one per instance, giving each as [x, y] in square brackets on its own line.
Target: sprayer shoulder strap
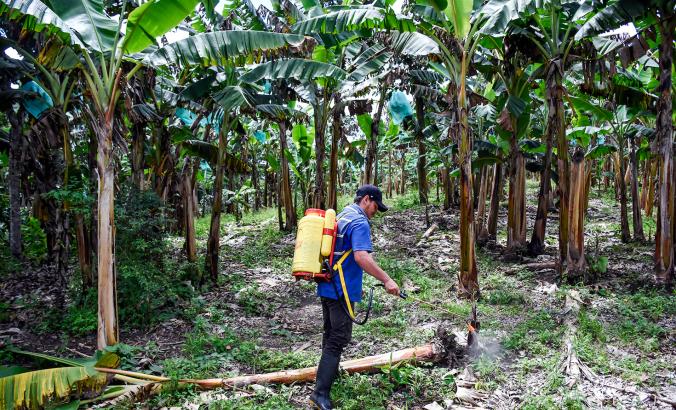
[339, 267]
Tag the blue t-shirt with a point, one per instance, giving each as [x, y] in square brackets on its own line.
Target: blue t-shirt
[354, 232]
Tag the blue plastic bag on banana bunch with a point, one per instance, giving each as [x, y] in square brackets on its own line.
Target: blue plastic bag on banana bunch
[399, 107]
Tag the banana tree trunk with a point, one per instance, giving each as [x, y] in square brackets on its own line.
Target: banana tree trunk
[448, 188]
[606, 171]
[285, 190]
[576, 263]
[554, 101]
[390, 181]
[468, 285]
[402, 179]
[637, 221]
[627, 174]
[137, 155]
[666, 218]
[555, 87]
[93, 184]
[84, 254]
[255, 181]
[421, 163]
[495, 202]
[188, 211]
[164, 162]
[108, 331]
[650, 200]
[645, 177]
[620, 181]
[14, 181]
[266, 185]
[617, 178]
[213, 243]
[482, 232]
[278, 194]
[516, 208]
[336, 132]
[589, 165]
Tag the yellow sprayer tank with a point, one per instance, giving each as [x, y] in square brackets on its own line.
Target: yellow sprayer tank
[307, 254]
[327, 238]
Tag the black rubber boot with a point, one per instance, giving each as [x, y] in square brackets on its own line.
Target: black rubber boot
[326, 374]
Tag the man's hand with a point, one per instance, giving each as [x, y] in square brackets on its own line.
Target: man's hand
[392, 288]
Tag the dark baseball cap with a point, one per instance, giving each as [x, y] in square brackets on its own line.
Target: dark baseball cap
[374, 192]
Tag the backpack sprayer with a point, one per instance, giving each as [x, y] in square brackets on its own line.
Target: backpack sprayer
[314, 252]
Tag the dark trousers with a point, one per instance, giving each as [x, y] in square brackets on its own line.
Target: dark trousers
[337, 327]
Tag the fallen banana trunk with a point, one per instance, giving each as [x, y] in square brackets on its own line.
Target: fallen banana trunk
[432, 352]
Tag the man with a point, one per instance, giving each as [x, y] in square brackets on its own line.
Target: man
[354, 233]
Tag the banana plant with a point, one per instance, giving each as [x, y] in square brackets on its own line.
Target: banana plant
[339, 30]
[620, 121]
[283, 116]
[513, 74]
[104, 45]
[658, 14]
[52, 75]
[225, 50]
[457, 35]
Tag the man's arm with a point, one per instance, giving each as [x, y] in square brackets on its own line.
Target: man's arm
[365, 260]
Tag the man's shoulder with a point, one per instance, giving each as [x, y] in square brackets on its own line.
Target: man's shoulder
[361, 225]
[352, 215]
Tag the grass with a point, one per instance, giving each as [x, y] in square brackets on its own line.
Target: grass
[258, 250]
[489, 372]
[359, 391]
[212, 349]
[639, 316]
[390, 326]
[538, 334]
[253, 301]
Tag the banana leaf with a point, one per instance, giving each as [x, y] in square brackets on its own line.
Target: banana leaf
[600, 151]
[413, 44]
[219, 47]
[354, 19]
[88, 21]
[36, 16]
[297, 68]
[34, 390]
[153, 19]
[12, 370]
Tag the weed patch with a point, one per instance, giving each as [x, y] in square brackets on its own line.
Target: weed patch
[354, 391]
[639, 317]
[258, 250]
[392, 325]
[504, 297]
[538, 334]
